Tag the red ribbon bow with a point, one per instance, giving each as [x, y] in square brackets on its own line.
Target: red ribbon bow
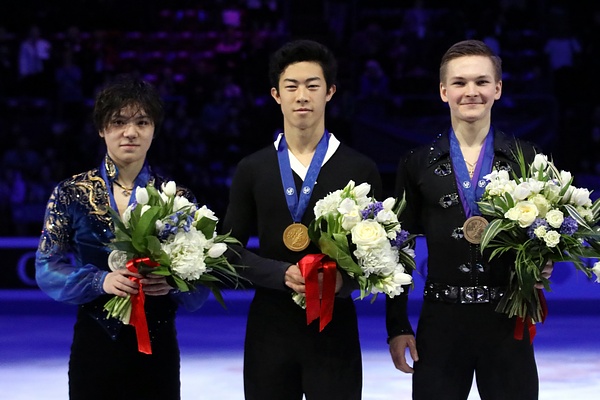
[138, 313]
[520, 324]
[318, 305]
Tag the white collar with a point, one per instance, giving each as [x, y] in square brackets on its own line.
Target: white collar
[297, 166]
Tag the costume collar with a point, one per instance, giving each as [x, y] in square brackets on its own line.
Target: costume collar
[440, 147]
[112, 172]
[297, 166]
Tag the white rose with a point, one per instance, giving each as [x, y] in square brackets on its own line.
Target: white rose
[552, 238]
[528, 213]
[542, 204]
[169, 188]
[540, 231]
[513, 214]
[368, 233]
[141, 195]
[217, 250]
[524, 212]
[555, 218]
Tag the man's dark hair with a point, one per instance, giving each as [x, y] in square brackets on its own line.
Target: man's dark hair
[302, 50]
[128, 91]
[471, 48]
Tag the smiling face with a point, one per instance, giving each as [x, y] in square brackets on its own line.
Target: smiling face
[303, 95]
[128, 136]
[470, 88]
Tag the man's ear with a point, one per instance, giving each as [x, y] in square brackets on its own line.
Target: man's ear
[275, 95]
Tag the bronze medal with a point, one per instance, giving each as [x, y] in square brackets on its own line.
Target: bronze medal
[295, 237]
[473, 228]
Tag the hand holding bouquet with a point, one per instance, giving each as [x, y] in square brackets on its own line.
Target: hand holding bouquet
[541, 217]
[163, 233]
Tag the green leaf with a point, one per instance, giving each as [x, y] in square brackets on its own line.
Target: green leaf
[487, 208]
[575, 215]
[595, 211]
[493, 229]
[334, 250]
[207, 226]
[144, 228]
[218, 296]
[117, 221]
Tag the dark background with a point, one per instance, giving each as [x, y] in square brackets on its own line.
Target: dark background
[209, 60]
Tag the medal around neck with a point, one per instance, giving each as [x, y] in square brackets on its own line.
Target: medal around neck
[473, 228]
[295, 237]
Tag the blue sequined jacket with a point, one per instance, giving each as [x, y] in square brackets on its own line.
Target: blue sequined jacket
[72, 256]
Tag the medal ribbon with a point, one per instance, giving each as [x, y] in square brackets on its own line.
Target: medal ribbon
[138, 313]
[297, 203]
[318, 305]
[470, 189]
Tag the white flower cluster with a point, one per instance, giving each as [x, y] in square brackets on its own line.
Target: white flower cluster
[538, 201]
[374, 229]
[185, 245]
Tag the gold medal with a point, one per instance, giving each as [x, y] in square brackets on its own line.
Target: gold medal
[473, 229]
[295, 237]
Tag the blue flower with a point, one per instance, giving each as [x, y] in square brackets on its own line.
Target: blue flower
[400, 238]
[569, 226]
[372, 209]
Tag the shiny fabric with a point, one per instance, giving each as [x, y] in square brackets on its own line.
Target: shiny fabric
[71, 260]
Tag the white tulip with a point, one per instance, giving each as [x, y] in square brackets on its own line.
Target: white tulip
[141, 195]
[169, 188]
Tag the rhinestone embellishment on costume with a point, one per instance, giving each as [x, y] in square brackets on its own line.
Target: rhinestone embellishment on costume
[449, 200]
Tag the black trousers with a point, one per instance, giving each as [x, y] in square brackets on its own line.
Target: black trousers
[100, 368]
[457, 341]
[284, 358]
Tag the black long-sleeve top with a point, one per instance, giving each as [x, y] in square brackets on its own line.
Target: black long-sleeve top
[257, 205]
[434, 209]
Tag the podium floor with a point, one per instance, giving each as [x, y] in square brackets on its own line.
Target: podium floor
[35, 335]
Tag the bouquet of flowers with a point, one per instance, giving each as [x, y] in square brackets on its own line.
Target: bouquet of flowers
[163, 233]
[364, 237]
[540, 217]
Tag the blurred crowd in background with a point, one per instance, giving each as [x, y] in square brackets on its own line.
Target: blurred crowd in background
[209, 60]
